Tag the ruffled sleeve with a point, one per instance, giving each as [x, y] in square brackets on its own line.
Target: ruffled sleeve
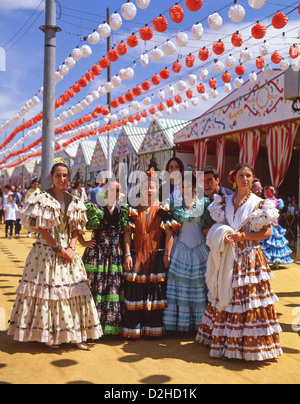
[40, 211]
[129, 224]
[168, 221]
[94, 216]
[76, 214]
[263, 216]
[217, 209]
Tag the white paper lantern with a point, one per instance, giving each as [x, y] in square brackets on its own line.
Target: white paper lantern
[192, 78]
[284, 64]
[115, 21]
[169, 111]
[204, 97]
[147, 101]
[203, 73]
[214, 93]
[122, 74]
[86, 51]
[171, 91]
[197, 31]
[181, 85]
[161, 95]
[128, 11]
[253, 77]
[156, 55]
[102, 91]
[215, 21]
[238, 82]
[268, 71]
[108, 87]
[144, 59]
[246, 55]
[77, 54]
[227, 88]
[113, 118]
[129, 73]
[35, 100]
[230, 62]
[264, 48]
[182, 39]
[143, 4]
[237, 13]
[257, 3]
[58, 77]
[185, 105]
[89, 99]
[70, 62]
[124, 113]
[116, 81]
[136, 106]
[195, 101]
[63, 70]
[94, 38]
[218, 67]
[95, 94]
[104, 30]
[176, 108]
[169, 48]
[297, 63]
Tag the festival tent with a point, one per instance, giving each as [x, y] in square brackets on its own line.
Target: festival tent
[126, 150]
[158, 142]
[68, 154]
[5, 176]
[23, 174]
[100, 155]
[83, 160]
[254, 124]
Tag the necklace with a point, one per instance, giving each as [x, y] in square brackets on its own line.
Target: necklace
[236, 206]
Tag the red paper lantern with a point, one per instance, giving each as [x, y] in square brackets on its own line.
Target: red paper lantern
[83, 82]
[165, 74]
[178, 99]
[260, 62]
[104, 63]
[189, 94]
[177, 67]
[94, 115]
[237, 40]
[218, 48]
[114, 104]
[193, 5]
[152, 110]
[294, 51]
[212, 83]
[201, 88]
[276, 57]
[112, 55]
[259, 31]
[122, 48]
[76, 88]
[280, 20]
[105, 111]
[146, 85]
[122, 99]
[98, 110]
[131, 119]
[160, 24]
[137, 91]
[156, 79]
[137, 117]
[132, 41]
[146, 33]
[71, 92]
[161, 107]
[176, 13]
[144, 114]
[227, 77]
[89, 76]
[203, 54]
[170, 103]
[190, 60]
[129, 96]
[97, 70]
[240, 70]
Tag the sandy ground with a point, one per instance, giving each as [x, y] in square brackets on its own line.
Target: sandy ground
[175, 359]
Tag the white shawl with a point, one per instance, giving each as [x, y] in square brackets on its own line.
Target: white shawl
[220, 264]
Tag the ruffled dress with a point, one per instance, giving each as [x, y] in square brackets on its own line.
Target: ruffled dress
[276, 248]
[104, 264]
[186, 286]
[248, 328]
[145, 286]
[54, 304]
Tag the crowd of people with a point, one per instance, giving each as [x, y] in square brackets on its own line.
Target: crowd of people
[185, 264]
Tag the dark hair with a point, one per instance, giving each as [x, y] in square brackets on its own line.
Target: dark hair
[256, 180]
[178, 161]
[237, 168]
[190, 179]
[211, 170]
[58, 165]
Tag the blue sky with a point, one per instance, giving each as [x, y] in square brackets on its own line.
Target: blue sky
[24, 44]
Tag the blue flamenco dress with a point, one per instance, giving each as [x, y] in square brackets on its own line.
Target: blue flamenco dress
[186, 286]
[276, 249]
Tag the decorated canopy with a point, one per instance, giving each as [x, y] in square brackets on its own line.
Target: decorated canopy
[99, 159]
[83, 159]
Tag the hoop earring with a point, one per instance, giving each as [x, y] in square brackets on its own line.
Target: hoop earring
[234, 186]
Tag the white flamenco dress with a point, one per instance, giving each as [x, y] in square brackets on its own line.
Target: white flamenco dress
[54, 304]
